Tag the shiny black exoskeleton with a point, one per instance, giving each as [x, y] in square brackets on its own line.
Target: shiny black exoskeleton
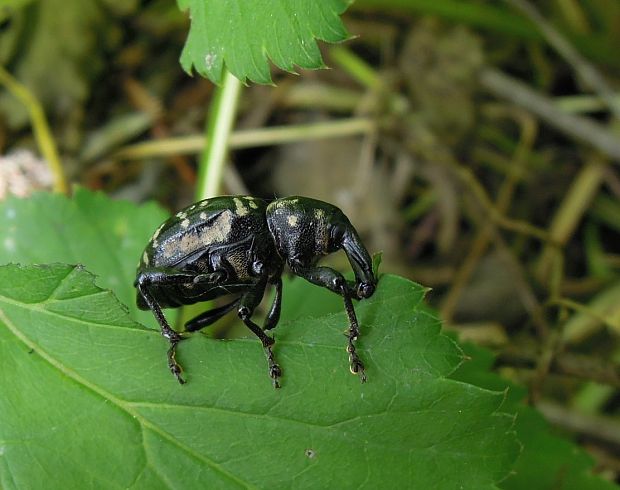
[237, 245]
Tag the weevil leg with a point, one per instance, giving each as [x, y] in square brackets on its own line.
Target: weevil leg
[355, 363]
[273, 317]
[209, 317]
[165, 277]
[173, 337]
[361, 262]
[249, 302]
[161, 277]
[210, 277]
[334, 281]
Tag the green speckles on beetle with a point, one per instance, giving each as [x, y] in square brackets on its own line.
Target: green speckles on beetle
[238, 245]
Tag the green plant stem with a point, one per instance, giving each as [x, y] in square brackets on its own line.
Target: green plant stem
[574, 15]
[575, 104]
[315, 95]
[355, 66]
[570, 212]
[366, 75]
[250, 138]
[40, 127]
[602, 310]
[219, 125]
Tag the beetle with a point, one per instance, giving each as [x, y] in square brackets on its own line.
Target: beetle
[237, 246]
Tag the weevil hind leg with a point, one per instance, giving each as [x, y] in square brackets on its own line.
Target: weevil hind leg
[167, 332]
[143, 283]
[209, 317]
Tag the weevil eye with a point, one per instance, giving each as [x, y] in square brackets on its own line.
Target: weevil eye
[337, 233]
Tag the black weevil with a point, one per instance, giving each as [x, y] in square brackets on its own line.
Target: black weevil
[236, 245]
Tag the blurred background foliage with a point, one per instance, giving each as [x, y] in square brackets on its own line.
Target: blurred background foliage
[478, 151]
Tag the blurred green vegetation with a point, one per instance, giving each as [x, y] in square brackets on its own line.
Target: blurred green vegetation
[479, 150]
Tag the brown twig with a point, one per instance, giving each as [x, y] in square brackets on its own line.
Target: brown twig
[518, 226]
[565, 364]
[577, 127]
[502, 204]
[596, 426]
[588, 74]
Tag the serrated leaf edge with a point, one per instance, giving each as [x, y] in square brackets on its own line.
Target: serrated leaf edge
[130, 407]
[188, 64]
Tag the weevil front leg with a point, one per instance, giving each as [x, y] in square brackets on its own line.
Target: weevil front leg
[273, 316]
[334, 281]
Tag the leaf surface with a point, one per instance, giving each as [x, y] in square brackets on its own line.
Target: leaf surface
[242, 36]
[548, 460]
[87, 389]
[104, 235]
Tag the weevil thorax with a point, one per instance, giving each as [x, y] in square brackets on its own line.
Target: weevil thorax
[302, 228]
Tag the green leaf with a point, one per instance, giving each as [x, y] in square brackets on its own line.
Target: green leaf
[242, 36]
[87, 390]
[548, 460]
[104, 235]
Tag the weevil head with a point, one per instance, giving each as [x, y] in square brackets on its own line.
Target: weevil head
[343, 236]
[304, 229]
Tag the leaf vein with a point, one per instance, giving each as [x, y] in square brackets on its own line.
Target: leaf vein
[123, 405]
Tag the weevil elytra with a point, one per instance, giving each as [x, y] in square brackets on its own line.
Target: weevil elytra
[236, 246]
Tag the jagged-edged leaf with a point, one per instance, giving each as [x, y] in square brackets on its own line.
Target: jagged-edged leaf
[88, 400]
[548, 460]
[105, 235]
[244, 36]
